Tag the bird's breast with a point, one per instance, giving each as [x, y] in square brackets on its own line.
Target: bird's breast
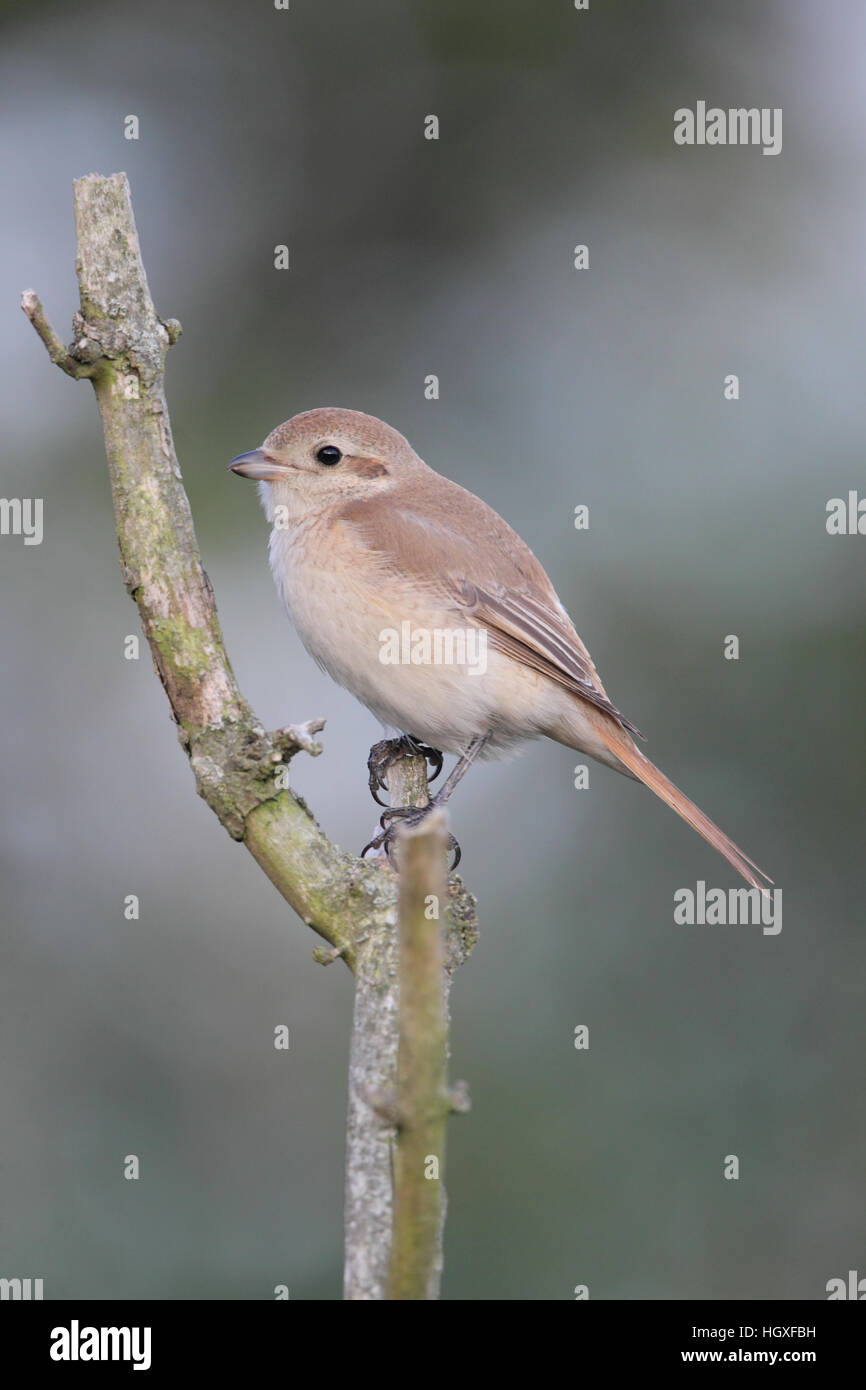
[414, 659]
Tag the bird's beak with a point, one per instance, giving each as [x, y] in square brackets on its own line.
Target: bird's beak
[258, 466]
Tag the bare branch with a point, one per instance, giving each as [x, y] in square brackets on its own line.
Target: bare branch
[375, 1100]
[373, 1082]
[240, 769]
[423, 1103]
[61, 356]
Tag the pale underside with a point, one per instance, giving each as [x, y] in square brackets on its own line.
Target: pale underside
[350, 573]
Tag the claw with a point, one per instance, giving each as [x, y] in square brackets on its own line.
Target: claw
[434, 758]
[381, 754]
[387, 751]
[414, 815]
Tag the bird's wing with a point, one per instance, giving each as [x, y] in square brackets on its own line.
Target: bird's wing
[525, 627]
[498, 583]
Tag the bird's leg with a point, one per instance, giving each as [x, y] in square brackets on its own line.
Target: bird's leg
[459, 770]
[388, 750]
[413, 815]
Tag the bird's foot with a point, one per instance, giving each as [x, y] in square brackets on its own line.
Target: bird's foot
[395, 816]
[387, 751]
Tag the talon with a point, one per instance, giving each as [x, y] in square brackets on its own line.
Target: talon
[381, 754]
[387, 751]
[434, 758]
[393, 816]
[374, 791]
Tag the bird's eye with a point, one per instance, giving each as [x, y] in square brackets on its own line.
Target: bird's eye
[329, 454]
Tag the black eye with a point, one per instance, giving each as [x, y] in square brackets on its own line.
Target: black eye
[329, 454]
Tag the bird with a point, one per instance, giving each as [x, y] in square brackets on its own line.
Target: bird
[368, 544]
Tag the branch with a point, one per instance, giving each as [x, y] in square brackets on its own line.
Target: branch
[371, 1124]
[240, 769]
[375, 1097]
[60, 355]
[422, 1103]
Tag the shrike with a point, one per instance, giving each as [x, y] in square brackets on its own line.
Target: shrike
[368, 543]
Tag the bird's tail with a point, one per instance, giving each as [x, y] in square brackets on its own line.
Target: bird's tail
[619, 743]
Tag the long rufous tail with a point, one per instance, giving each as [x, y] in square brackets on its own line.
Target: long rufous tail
[622, 747]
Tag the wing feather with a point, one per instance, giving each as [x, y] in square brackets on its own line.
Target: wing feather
[532, 632]
[434, 542]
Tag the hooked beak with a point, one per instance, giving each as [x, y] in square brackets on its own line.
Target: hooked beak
[258, 466]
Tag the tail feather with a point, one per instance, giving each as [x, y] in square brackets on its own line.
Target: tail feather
[651, 776]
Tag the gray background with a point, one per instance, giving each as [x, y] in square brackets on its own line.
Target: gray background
[707, 518]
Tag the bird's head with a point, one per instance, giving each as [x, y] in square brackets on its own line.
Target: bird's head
[327, 456]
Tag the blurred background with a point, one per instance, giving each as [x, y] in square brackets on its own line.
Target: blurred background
[558, 387]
